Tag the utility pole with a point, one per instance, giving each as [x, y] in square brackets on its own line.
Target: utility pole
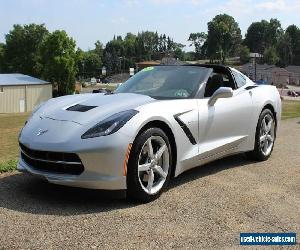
[254, 56]
[83, 69]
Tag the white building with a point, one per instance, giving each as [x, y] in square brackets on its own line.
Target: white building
[21, 93]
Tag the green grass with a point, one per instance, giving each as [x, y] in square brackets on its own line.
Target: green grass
[11, 124]
[290, 109]
[8, 166]
[109, 86]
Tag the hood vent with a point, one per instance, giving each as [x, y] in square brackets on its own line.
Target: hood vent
[80, 108]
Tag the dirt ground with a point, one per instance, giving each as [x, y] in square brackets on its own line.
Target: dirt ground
[205, 208]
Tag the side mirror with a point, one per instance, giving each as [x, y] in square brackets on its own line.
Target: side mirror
[222, 92]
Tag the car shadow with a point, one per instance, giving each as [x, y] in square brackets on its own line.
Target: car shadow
[214, 167]
[30, 194]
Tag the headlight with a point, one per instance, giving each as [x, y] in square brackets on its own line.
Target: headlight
[110, 125]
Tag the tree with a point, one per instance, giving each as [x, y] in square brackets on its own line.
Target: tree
[79, 62]
[57, 61]
[162, 43]
[120, 54]
[112, 62]
[90, 62]
[2, 66]
[224, 36]
[170, 44]
[262, 35]
[178, 51]
[294, 33]
[244, 54]
[274, 32]
[198, 39]
[270, 56]
[99, 48]
[285, 50]
[130, 50]
[255, 36]
[189, 56]
[148, 41]
[113, 52]
[21, 48]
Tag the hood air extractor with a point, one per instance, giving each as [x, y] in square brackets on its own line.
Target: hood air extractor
[80, 108]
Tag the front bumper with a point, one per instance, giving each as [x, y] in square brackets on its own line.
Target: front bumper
[97, 181]
[102, 158]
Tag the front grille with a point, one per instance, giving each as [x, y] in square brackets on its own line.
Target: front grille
[52, 162]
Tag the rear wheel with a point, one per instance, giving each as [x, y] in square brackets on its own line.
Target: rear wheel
[264, 137]
[149, 165]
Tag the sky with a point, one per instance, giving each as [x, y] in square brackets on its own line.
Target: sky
[90, 20]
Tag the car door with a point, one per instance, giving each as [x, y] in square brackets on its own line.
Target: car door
[224, 126]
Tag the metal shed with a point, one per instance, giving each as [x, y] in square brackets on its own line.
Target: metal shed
[21, 93]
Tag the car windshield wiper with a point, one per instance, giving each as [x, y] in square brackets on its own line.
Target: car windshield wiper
[168, 97]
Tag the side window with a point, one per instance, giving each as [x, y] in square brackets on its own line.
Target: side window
[240, 79]
[214, 82]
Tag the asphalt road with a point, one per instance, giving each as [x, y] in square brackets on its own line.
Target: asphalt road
[205, 208]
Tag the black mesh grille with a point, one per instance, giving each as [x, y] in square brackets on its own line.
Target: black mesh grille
[80, 108]
[54, 162]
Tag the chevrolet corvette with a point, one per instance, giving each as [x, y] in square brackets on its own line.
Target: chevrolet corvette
[158, 124]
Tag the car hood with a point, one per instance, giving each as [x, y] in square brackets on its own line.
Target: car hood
[86, 108]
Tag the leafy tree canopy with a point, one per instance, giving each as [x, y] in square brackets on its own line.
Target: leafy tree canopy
[294, 33]
[198, 40]
[262, 35]
[2, 57]
[244, 54]
[270, 56]
[21, 47]
[57, 61]
[224, 36]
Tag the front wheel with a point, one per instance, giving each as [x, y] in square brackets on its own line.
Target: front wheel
[264, 137]
[149, 165]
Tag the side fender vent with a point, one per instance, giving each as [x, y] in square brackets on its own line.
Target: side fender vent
[185, 128]
[251, 87]
[80, 108]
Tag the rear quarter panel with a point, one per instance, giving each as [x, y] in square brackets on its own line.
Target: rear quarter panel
[266, 95]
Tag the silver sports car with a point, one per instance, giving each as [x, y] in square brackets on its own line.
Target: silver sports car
[158, 124]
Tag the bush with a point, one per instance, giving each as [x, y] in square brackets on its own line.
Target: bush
[270, 56]
[244, 54]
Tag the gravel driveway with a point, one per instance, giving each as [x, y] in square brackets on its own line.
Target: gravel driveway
[205, 208]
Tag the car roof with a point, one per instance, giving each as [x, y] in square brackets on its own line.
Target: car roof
[205, 65]
[213, 66]
[217, 67]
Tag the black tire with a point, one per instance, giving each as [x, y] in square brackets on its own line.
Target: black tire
[257, 154]
[135, 190]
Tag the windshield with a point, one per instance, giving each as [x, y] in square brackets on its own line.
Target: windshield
[166, 82]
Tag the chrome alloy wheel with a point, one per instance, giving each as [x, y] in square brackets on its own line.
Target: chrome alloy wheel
[153, 164]
[267, 134]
